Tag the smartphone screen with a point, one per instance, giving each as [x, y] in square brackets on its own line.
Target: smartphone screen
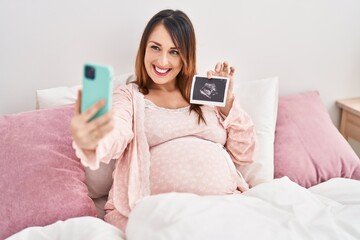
[97, 84]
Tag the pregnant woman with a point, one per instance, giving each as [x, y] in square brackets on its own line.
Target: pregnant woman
[160, 141]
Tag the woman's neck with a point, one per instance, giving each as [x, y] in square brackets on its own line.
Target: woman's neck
[166, 96]
[168, 87]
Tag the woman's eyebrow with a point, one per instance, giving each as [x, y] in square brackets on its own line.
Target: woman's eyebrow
[161, 45]
[155, 43]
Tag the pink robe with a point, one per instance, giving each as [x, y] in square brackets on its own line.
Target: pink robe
[128, 143]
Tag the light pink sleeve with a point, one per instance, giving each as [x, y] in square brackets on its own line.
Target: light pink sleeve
[241, 136]
[114, 143]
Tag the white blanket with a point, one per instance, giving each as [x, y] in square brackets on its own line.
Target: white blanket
[279, 209]
[89, 228]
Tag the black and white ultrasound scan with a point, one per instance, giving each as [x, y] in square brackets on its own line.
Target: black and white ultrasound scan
[209, 91]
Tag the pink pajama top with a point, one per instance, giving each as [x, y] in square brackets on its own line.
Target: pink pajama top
[163, 150]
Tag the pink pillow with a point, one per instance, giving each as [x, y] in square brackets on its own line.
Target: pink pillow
[42, 181]
[308, 147]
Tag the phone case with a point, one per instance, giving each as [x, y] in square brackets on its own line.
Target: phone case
[97, 86]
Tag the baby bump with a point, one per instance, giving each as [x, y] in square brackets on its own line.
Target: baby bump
[190, 165]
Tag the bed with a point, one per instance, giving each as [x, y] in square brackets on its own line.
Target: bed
[305, 181]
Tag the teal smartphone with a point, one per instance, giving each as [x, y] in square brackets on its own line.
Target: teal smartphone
[97, 84]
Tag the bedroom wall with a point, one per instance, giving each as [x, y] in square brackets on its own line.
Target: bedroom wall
[310, 45]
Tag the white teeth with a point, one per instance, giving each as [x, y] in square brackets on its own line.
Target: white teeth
[160, 70]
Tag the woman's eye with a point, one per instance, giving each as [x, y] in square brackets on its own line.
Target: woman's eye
[156, 48]
[174, 52]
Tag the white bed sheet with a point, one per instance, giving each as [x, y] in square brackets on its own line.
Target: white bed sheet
[279, 209]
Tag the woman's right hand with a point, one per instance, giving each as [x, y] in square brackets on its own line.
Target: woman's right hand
[85, 133]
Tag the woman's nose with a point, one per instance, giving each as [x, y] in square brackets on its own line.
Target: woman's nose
[163, 59]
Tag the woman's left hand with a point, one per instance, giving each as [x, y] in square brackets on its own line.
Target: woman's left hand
[223, 70]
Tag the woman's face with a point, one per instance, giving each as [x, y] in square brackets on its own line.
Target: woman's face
[162, 60]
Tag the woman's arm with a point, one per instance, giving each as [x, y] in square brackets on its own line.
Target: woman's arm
[112, 144]
[241, 136]
[240, 130]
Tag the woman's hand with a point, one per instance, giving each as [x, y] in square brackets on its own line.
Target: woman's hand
[85, 133]
[223, 70]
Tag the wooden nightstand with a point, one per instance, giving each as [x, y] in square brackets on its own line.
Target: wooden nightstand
[350, 117]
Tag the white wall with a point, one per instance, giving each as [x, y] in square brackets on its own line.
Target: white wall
[309, 44]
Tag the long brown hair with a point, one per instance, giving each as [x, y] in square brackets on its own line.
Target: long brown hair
[182, 33]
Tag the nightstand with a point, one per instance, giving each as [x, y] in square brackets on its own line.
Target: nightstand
[350, 118]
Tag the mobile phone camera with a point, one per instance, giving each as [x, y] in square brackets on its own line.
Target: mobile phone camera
[89, 72]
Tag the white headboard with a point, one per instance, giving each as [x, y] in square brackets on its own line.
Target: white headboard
[310, 45]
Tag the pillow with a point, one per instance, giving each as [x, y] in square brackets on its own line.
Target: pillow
[259, 98]
[309, 149]
[42, 180]
[58, 96]
[54, 97]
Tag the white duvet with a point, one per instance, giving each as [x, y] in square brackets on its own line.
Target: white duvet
[279, 209]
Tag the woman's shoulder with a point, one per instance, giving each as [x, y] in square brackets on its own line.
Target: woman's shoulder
[129, 87]
[129, 91]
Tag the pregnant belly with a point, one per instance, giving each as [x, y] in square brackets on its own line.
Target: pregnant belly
[191, 165]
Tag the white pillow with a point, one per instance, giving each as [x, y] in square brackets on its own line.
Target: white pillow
[58, 96]
[259, 98]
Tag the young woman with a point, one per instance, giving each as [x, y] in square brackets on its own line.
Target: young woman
[163, 143]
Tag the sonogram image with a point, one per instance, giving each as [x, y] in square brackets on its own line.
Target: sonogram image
[209, 90]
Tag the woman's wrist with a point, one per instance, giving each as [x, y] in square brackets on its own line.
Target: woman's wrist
[228, 105]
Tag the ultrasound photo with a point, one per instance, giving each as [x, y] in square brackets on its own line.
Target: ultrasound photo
[209, 91]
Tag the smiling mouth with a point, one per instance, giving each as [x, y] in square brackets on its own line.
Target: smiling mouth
[161, 71]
